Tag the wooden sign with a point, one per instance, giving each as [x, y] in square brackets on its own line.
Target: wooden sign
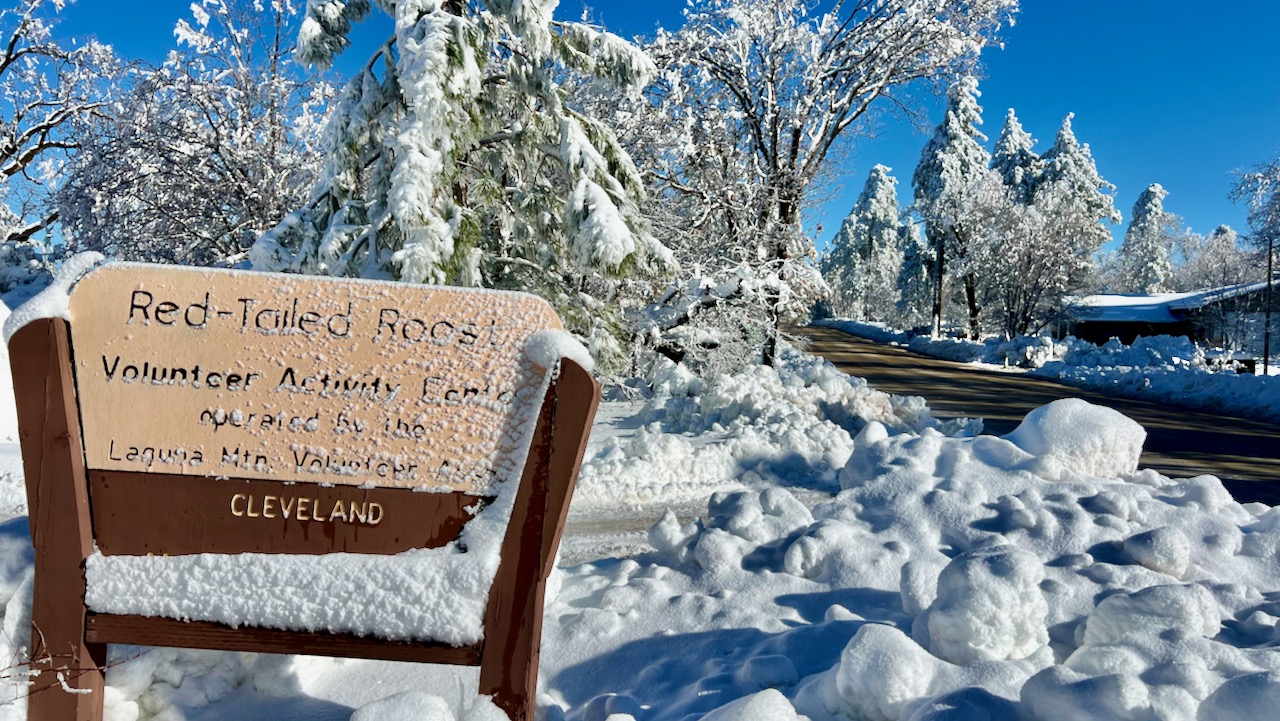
[227, 412]
[294, 378]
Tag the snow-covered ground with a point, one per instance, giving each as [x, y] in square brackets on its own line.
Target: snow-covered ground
[1160, 368]
[835, 555]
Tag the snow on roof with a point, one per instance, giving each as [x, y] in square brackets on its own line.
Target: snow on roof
[1201, 298]
[1146, 308]
[1154, 307]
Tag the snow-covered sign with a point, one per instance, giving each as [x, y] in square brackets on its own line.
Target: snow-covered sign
[253, 422]
[294, 378]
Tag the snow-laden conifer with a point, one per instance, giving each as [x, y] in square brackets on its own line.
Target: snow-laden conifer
[953, 169]
[1014, 160]
[454, 157]
[862, 266]
[1071, 162]
[915, 289]
[1144, 265]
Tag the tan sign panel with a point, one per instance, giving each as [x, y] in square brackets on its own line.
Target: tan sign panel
[295, 378]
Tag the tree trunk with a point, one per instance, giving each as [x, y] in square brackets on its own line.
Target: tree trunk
[769, 354]
[939, 272]
[971, 299]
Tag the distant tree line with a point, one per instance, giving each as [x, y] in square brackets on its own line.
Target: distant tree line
[999, 241]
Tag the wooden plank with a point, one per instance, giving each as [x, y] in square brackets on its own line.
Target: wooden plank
[137, 514]
[513, 619]
[151, 631]
[210, 372]
[40, 356]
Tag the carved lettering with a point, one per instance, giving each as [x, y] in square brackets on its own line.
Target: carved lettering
[301, 380]
[304, 508]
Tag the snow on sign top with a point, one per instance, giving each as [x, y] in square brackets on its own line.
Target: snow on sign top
[293, 378]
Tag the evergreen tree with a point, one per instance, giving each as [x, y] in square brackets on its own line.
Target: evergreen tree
[842, 269]
[863, 264]
[1071, 163]
[952, 166]
[1144, 263]
[1014, 160]
[453, 157]
[915, 274]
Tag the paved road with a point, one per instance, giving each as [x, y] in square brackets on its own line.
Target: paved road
[1181, 442]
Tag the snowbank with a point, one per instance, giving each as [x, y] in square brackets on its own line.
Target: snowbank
[855, 563]
[1039, 574]
[1160, 368]
[790, 424]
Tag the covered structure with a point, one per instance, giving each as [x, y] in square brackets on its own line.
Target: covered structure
[1231, 316]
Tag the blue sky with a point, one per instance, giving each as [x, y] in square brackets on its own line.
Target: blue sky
[1164, 91]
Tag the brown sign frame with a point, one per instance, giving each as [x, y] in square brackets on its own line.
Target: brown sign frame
[72, 508]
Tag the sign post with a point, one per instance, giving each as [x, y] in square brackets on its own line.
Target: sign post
[187, 411]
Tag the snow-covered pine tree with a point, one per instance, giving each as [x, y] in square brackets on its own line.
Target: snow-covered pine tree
[1144, 264]
[952, 166]
[862, 267]
[1014, 160]
[842, 268]
[915, 276]
[1071, 163]
[455, 158]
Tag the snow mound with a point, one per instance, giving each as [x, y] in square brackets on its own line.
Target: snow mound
[693, 437]
[1074, 435]
[989, 607]
[1037, 577]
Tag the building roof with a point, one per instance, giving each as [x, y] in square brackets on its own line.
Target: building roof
[1153, 307]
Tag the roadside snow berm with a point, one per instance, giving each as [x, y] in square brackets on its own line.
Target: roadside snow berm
[285, 464]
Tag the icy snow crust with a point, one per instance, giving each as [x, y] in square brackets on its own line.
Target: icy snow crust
[936, 577]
